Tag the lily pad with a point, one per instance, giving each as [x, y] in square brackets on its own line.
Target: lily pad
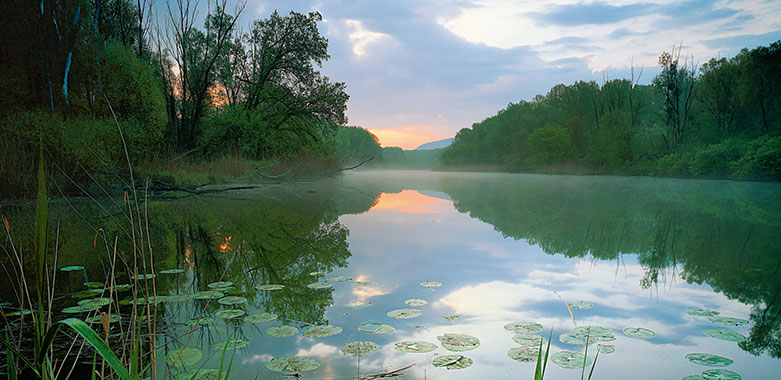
[360, 348]
[709, 359]
[233, 344]
[720, 374]
[415, 346]
[582, 305]
[523, 354]
[229, 314]
[203, 374]
[315, 274]
[359, 304]
[292, 364]
[597, 331]
[430, 284]
[28, 312]
[260, 318]
[727, 321]
[459, 342]
[366, 284]
[232, 300]
[523, 327]
[339, 278]
[415, 326]
[94, 284]
[219, 284]
[320, 285]
[606, 348]
[415, 302]
[701, 312]
[526, 339]
[114, 318]
[452, 361]
[282, 331]
[143, 276]
[95, 303]
[376, 328]
[207, 294]
[178, 297]
[72, 268]
[694, 377]
[639, 332]
[198, 322]
[322, 331]
[188, 357]
[404, 313]
[569, 359]
[171, 271]
[270, 287]
[575, 338]
[452, 317]
[724, 334]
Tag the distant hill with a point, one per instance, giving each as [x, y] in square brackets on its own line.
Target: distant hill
[436, 144]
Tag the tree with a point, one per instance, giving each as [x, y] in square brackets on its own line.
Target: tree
[718, 85]
[355, 145]
[676, 80]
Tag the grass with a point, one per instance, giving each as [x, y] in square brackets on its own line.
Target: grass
[187, 171]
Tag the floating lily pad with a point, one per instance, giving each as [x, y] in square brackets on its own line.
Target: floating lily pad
[320, 285]
[188, 357]
[575, 338]
[322, 331]
[523, 354]
[709, 359]
[569, 359]
[727, 321]
[282, 331]
[452, 317]
[720, 374]
[260, 318]
[270, 287]
[606, 348]
[28, 312]
[701, 312]
[207, 294]
[376, 328]
[366, 284]
[404, 313]
[233, 344]
[229, 314]
[315, 274]
[430, 284]
[360, 348]
[593, 331]
[292, 364]
[639, 332]
[526, 339]
[339, 278]
[232, 300]
[178, 297]
[72, 268]
[725, 334]
[94, 284]
[582, 305]
[459, 342]
[147, 276]
[114, 318]
[452, 361]
[198, 322]
[415, 346]
[122, 287]
[694, 377]
[95, 303]
[171, 271]
[359, 304]
[92, 292]
[523, 327]
[203, 374]
[415, 326]
[219, 284]
[415, 302]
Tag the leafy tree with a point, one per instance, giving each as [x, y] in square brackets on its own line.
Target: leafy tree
[355, 145]
[676, 81]
[549, 144]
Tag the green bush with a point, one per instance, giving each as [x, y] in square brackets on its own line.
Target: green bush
[714, 160]
[762, 160]
[549, 144]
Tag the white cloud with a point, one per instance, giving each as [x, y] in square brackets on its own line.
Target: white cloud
[363, 38]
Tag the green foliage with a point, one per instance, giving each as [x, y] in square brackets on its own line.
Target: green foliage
[549, 144]
[355, 144]
[610, 148]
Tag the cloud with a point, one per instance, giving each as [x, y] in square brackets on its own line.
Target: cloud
[589, 13]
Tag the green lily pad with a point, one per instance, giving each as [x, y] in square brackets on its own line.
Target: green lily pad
[360, 348]
[339, 278]
[219, 284]
[122, 287]
[142, 276]
[415, 326]
[188, 357]
[376, 328]
[178, 297]
[523, 354]
[639, 332]
[171, 271]
[207, 294]
[114, 318]
[530, 340]
[404, 313]
[320, 285]
[606, 348]
[574, 338]
[430, 284]
[322, 331]
[29, 312]
[582, 305]
[85, 294]
[270, 287]
[724, 334]
[415, 346]
[282, 331]
[315, 274]
[359, 304]
[597, 331]
[95, 291]
[727, 321]
[292, 364]
[72, 268]
[366, 284]
[523, 327]
[452, 361]
[94, 285]
[415, 302]
[95, 303]
[459, 342]
[233, 344]
[694, 377]
[198, 322]
[230, 313]
[260, 318]
[569, 359]
[701, 312]
[720, 374]
[709, 359]
[232, 300]
[451, 317]
[203, 374]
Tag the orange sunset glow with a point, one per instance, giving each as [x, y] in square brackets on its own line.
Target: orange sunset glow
[409, 201]
[408, 137]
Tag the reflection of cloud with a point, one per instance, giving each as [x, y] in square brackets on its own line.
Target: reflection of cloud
[410, 201]
[265, 358]
[319, 350]
[364, 292]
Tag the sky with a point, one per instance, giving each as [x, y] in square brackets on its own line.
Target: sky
[419, 71]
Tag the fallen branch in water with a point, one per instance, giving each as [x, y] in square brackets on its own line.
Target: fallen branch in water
[388, 374]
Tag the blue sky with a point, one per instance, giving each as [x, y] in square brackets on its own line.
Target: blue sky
[418, 71]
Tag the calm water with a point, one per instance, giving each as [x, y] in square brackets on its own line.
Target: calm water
[506, 248]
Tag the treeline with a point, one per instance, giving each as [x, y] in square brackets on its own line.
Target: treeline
[177, 89]
[718, 120]
[356, 146]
